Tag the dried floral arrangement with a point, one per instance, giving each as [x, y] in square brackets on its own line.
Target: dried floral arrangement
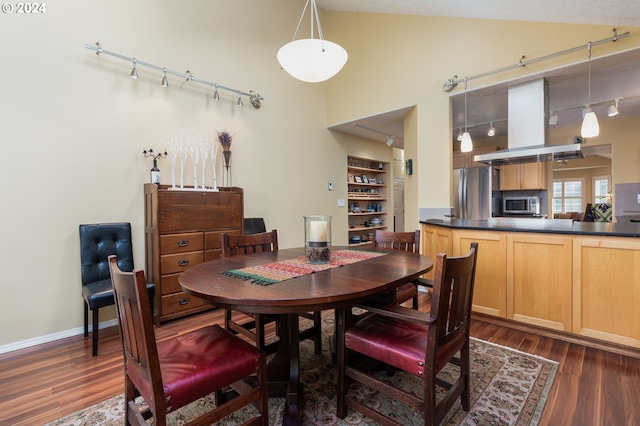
[225, 138]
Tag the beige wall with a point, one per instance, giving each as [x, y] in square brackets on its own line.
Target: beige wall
[73, 124]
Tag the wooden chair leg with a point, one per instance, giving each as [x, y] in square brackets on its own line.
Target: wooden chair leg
[341, 409]
[94, 333]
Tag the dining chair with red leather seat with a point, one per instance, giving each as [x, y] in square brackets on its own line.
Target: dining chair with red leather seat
[404, 241]
[175, 372]
[233, 245]
[416, 342]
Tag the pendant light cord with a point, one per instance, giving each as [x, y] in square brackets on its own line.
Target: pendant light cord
[465, 104]
[589, 73]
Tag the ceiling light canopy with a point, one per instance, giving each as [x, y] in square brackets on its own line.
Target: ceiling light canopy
[312, 59]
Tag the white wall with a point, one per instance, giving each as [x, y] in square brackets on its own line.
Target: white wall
[73, 126]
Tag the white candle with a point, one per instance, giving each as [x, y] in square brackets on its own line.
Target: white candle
[318, 231]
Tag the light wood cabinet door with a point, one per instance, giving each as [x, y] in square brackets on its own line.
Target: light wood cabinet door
[435, 240]
[533, 176]
[539, 279]
[523, 176]
[509, 177]
[606, 289]
[490, 288]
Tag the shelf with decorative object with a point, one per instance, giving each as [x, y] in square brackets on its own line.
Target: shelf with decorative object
[367, 198]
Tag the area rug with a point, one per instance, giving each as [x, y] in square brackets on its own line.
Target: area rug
[508, 387]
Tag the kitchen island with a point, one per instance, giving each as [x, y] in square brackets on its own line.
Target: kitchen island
[579, 279]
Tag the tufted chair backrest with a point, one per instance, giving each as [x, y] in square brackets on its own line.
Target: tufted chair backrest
[99, 241]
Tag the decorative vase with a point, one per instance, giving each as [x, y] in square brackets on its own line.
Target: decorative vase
[226, 177]
[317, 238]
[227, 158]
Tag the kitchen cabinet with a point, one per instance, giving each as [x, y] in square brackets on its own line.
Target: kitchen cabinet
[523, 176]
[490, 289]
[367, 197]
[435, 239]
[539, 279]
[464, 160]
[606, 289]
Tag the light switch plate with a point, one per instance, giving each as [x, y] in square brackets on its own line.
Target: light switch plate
[340, 202]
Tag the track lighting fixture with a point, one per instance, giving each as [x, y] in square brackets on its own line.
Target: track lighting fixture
[254, 101]
[492, 130]
[459, 134]
[553, 119]
[134, 71]
[613, 109]
[590, 126]
[256, 98]
[165, 82]
[312, 59]
[390, 141]
[467, 144]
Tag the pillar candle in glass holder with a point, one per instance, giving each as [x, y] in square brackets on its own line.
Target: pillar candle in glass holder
[317, 237]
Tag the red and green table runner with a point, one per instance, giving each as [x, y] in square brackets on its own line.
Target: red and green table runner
[274, 272]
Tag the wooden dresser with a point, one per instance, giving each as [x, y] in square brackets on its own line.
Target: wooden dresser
[182, 229]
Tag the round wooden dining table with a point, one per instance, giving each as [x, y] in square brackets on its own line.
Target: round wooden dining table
[329, 289]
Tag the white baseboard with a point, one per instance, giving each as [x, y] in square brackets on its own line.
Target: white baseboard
[52, 337]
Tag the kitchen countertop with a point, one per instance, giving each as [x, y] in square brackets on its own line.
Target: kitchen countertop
[552, 226]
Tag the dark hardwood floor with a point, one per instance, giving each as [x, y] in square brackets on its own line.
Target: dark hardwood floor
[43, 383]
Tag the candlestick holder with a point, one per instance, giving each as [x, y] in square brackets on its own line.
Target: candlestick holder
[155, 172]
[317, 238]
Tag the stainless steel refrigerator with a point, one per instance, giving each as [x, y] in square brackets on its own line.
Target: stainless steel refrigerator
[477, 193]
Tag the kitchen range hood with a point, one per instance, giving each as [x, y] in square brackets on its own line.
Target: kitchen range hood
[528, 130]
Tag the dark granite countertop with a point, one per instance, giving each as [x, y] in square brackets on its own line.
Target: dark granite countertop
[551, 226]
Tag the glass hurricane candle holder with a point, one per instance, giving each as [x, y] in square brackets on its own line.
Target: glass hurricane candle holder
[317, 238]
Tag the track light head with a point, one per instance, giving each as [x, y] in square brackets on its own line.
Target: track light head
[390, 141]
[216, 95]
[255, 99]
[492, 130]
[553, 119]
[240, 99]
[613, 109]
[134, 71]
[165, 82]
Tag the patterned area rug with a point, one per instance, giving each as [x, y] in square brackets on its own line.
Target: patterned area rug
[508, 387]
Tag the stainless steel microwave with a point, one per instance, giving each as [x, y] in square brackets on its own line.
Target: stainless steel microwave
[521, 206]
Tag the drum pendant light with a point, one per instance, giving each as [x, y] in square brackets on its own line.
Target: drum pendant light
[312, 59]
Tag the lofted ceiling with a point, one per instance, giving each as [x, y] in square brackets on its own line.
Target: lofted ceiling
[613, 77]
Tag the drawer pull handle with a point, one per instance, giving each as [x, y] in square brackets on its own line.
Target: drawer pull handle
[184, 301]
[183, 243]
[183, 262]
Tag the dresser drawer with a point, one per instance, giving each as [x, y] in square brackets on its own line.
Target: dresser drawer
[180, 243]
[179, 302]
[179, 262]
[170, 284]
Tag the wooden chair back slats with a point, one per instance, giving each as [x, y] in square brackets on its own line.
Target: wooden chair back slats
[405, 241]
[234, 245]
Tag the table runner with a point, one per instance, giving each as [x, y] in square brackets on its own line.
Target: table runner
[271, 273]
